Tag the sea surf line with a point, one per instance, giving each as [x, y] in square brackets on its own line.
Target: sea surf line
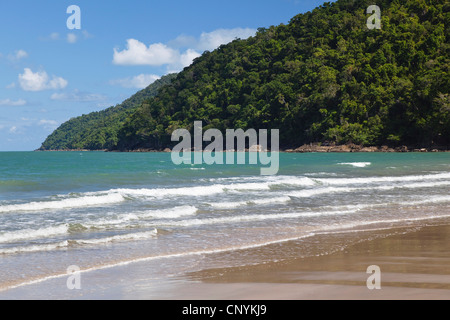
[322, 230]
[174, 255]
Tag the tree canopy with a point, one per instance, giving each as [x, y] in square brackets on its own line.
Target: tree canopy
[99, 130]
[323, 77]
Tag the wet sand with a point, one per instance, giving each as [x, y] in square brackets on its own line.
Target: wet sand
[414, 265]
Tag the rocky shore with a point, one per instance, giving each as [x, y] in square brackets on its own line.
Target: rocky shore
[306, 148]
[322, 148]
[315, 147]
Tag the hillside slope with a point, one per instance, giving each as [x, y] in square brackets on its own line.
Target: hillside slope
[98, 130]
[324, 77]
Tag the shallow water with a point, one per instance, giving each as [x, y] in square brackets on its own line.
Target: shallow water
[96, 210]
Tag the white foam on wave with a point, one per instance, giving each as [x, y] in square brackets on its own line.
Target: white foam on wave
[271, 200]
[255, 217]
[119, 195]
[438, 200]
[267, 181]
[64, 244]
[163, 192]
[320, 230]
[315, 192]
[121, 237]
[83, 201]
[188, 211]
[368, 180]
[356, 164]
[323, 211]
[430, 200]
[35, 248]
[171, 213]
[160, 257]
[247, 186]
[351, 225]
[192, 190]
[292, 180]
[329, 190]
[236, 204]
[227, 205]
[419, 185]
[28, 234]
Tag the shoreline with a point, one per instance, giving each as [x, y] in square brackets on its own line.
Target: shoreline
[307, 148]
[414, 262]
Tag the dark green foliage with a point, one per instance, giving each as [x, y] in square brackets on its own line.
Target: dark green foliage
[98, 130]
[324, 77]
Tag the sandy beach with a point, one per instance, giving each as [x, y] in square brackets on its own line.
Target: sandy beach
[414, 264]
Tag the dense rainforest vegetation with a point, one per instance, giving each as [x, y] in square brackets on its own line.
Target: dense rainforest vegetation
[324, 77]
[99, 130]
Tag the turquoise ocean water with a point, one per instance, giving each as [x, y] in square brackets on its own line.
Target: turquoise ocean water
[98, 210]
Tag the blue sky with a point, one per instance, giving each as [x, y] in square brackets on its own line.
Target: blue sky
[50, 73]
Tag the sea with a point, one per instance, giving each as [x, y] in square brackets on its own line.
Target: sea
[99, 210]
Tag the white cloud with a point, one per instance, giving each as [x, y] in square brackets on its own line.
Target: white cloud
[188, 57]
[13, 129]
[54, 36]
[12, 103]
[49, 125]
[213, 40]
[137, 53]
[86, 34]
[184, 41]
[44, 122]
[139, 82]
[178, 53]
[78, 96]
[21, 54]
[39, 81]
[51, 37]
[18, 55]
[72, 38]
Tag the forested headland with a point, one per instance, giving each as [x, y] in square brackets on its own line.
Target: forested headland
[99, 130]
[323, 78]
